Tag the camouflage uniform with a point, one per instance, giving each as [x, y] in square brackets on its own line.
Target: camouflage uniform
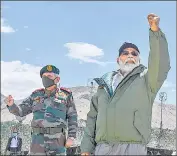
[54, 112]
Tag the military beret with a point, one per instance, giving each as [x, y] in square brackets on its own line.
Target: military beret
[49, 68]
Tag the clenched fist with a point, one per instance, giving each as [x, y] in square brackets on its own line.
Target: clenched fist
[9, 100]
[69, 142]
[85, 154]
[153, 22]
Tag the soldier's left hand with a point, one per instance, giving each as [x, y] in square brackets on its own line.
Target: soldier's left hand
[153, 20]
[69, 142]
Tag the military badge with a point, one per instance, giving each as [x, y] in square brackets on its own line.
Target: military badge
[57, 95]
[57, 100]
[39, 99]
[49, 68]
[62, 94]
[63, 101]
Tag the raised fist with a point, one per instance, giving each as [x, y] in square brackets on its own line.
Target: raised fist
[153, 21]
[9, 100]
[85, 154]
[69, 143]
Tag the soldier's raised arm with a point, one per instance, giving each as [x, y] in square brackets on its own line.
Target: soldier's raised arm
[22, 109]
[159, 60]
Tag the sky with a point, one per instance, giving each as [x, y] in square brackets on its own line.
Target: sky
[80, 38]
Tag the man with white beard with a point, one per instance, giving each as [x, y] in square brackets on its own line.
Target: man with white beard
[119, 120]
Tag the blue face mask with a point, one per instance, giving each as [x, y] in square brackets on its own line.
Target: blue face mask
[14, 134]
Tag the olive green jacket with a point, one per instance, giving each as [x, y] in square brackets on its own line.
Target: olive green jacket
[124, 116]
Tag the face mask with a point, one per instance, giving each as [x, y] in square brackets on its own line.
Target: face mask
[47, 82]
[14, 134]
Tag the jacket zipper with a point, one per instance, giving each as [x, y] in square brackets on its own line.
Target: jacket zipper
[107, 111]
[121, 82]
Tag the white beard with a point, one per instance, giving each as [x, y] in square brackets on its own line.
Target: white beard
[128, 67]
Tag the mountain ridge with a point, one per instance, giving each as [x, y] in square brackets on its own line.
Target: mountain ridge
[82, 96]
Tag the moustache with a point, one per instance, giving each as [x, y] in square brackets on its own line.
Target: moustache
[130, 59]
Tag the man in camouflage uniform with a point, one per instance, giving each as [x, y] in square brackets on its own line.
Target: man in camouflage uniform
[53, 110]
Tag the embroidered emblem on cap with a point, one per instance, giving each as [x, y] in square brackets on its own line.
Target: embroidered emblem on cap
[49, 68]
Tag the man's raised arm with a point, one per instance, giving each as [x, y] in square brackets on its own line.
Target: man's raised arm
[159, 60]
[21, 110]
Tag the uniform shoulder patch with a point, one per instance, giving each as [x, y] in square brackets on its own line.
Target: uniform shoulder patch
[66, 90]
[38, 90]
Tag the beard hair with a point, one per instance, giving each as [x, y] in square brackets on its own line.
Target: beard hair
[126, 67]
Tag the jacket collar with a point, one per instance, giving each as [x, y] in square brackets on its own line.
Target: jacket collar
[106, 79]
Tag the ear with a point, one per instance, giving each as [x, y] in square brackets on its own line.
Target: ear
[118, 60]
[139, 59]
[57, 79]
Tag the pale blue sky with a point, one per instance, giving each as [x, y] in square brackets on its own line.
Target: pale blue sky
[45, 30]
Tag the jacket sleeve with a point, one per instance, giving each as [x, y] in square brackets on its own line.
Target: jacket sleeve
[88, 142]
[22, 109]
[159, 61]
[72, 117]
[8, 144]
[20, 144]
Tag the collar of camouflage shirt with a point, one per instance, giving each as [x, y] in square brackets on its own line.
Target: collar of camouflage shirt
[51, 92]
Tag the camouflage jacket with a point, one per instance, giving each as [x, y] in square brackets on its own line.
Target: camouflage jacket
[54, 110]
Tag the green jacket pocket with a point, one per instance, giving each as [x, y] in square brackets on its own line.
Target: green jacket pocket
[141, 127]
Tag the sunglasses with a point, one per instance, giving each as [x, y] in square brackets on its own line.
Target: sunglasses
[133, 53]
